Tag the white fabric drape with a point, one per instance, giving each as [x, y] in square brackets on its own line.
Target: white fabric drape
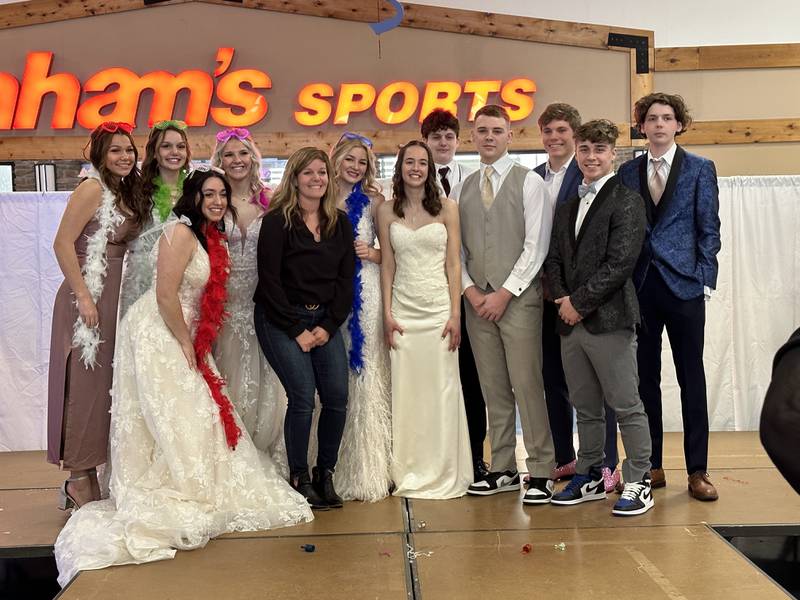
[752, 312]
[29, 279]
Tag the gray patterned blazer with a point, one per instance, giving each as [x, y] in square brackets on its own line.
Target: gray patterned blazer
[595, 268]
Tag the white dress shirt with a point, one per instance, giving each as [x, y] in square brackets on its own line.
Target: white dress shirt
[538, 214]
[586, 201]
[668, 156]
[456, 174]
[554, 179]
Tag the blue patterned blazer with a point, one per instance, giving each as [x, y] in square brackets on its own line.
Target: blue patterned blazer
[683, 238]
[572, 179]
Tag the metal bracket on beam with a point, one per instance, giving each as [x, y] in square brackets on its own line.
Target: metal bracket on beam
[638, 43]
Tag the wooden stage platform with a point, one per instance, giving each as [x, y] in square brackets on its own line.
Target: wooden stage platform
[460, 549]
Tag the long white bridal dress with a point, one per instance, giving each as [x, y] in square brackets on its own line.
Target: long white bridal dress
[253, 386]
[175, 483]
[430, 449]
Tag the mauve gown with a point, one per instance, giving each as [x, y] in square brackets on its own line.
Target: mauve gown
[79, 398]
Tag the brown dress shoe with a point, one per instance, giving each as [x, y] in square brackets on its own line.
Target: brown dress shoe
[700, 487]
[657, 478]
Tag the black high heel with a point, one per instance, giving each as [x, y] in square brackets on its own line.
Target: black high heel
[65, 499]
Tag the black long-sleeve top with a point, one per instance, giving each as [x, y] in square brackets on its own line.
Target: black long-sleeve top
[294, 269]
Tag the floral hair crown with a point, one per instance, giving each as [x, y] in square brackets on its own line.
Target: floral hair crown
[240, 133]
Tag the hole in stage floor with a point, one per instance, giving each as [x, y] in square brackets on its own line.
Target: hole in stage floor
[774, 549]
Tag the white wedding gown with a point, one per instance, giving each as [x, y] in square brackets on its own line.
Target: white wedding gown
[431, 452]
[174, 483]
[253, 386]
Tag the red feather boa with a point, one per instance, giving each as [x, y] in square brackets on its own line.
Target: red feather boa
[209, 322]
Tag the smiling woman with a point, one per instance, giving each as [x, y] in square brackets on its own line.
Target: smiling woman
[304, 294]
[165, 164]
[176, 480]
[102, 215]
[421, 287]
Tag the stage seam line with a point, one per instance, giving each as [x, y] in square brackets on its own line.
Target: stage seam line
[655, 574]
[413, 590]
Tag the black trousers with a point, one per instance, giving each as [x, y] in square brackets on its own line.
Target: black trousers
[559, 409]
[685, 322]
[471, 388]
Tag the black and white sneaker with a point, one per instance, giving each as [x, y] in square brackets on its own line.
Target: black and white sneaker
[494, 483]
[540, 490]
[636, 499]
[582, 488]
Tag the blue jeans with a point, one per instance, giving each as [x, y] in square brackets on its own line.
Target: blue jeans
[302, 374]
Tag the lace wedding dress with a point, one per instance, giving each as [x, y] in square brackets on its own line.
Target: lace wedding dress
[430, 450]
[174, 483]
[253, 386]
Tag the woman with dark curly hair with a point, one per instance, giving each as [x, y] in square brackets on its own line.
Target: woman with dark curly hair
[183, 469]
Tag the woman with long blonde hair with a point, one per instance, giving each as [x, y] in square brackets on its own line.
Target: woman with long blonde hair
[252, 384]
[304, 294]
[364, 457]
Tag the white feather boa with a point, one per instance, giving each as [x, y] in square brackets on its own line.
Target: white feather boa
[94, 270]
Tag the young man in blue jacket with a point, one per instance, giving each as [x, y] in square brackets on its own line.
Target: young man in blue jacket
[674, 276]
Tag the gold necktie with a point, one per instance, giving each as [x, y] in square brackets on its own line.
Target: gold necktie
[656, 183]
[487, 191]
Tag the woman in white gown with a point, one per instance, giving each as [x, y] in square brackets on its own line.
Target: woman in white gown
[253, 386]
[362, 472]
[421, 284]
[176, 480]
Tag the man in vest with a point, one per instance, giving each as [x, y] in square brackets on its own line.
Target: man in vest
[505, 232]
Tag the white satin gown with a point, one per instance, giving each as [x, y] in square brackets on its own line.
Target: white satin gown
[430, 446]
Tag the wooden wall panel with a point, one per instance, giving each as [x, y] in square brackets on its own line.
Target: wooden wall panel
[279, 145]
[704, 58]
[453, 20]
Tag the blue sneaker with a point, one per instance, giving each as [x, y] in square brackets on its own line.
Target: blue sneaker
[636, 499]
[582, 488]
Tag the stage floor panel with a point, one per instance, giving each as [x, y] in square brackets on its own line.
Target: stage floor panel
[24, 470]
[361, 549]
[678, 563]
[341, 568]
[385, 516]
[29, 518]
[741, 493]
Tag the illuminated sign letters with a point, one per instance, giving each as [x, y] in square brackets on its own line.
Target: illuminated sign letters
[115, 94]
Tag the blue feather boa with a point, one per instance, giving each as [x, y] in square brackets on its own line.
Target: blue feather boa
[355, 204]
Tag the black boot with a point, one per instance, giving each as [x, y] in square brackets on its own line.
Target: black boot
[323, 484]
[302, 484]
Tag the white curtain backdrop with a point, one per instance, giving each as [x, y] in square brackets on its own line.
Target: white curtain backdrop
[29, 279]
[754, 309]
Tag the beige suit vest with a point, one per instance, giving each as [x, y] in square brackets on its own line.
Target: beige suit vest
[493, 239]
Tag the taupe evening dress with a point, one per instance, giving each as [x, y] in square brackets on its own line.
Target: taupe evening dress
[79, 398]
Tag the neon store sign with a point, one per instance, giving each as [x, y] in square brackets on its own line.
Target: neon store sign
[238, 96]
